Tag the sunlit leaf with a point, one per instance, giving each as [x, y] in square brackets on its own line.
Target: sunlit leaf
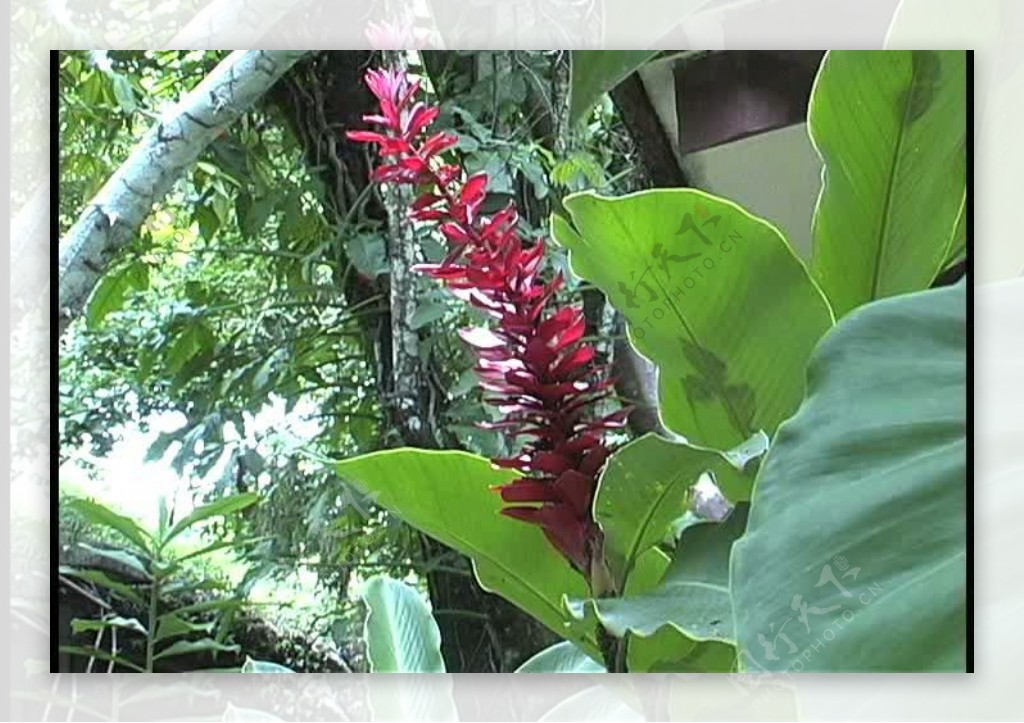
[401, 635]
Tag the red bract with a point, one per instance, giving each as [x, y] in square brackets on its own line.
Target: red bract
[534, 362]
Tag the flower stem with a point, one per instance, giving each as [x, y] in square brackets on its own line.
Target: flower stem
[613, 650]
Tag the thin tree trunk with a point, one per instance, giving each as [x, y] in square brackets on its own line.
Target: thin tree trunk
[113, 217]
[411, 389]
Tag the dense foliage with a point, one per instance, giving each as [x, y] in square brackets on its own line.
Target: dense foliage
[268, 318]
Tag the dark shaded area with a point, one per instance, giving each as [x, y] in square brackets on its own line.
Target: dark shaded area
[725, 96]
[652, 144]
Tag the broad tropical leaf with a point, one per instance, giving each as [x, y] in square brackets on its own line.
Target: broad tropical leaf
[449, 496]
[401, 635]
[854, 557]
[645, 486]
[563, 657]
[713, 295]
[596, 72]
[890, 127]
[693, 595]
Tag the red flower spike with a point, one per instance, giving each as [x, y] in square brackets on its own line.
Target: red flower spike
[534, 362]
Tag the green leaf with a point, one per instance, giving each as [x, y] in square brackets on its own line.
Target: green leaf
[448, 496]
[367, 253]
[119, 557]
[223, 507]
[223, 545]
[81, 626]
[189, 647]
[263, 666]
[596, 72]
[124, 93]
[401, 635]
[890, 127]
[91, 652]
[98, 578]
[209, 606]
[99, 514]
[172, 625]
[854, 558]
[671, 651]
[426, 313]
[645, 487]
[713, 295]
[196, 338]
[563, 657]
[693, 596]
[112, 291]
[208, 221]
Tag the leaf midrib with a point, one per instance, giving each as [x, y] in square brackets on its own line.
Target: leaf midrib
[883, 228]
[733, 414]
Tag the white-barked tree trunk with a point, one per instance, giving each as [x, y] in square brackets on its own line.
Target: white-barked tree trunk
[114, 216]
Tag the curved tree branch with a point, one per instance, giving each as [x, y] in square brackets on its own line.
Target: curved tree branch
[113, 217]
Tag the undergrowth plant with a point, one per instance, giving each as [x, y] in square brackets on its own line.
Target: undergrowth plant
[153, 579]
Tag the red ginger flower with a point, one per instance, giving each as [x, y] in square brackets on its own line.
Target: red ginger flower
[534, 362]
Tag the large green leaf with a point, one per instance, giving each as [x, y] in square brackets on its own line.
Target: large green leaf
[448, 496]
[645, 486]
[693, 596]
[401, 635]
[596, 72]
[854, 557]
[563, 657]
[890, 127]
[713, 295]
[99, 514]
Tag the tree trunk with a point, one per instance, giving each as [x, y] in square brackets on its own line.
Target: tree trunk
[323, 97]
[113, 217]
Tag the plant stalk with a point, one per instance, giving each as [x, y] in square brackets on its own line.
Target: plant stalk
[154, 598]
